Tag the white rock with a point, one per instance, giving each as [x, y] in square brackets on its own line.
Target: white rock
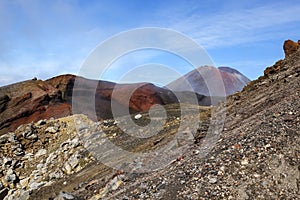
[73, 161]
[75, 142]
[24, 182]
[64, 196]
[40, 166]
[245, 162]
[116, 182]
[11, 176]
[41, 152]
[35, 185]
[56, 174]
[222, 168]
[138, 116]
[51, 129]
[10, 172]
[41, 122]
[50, 158]
[212, 180]
[68, 168]
[256, 175]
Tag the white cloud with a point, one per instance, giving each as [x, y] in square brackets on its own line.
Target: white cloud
[53, 37]
[238, 27]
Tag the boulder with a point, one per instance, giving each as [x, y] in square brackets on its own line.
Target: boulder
[290, 47]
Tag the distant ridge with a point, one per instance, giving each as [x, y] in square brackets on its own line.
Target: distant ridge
[33, 100]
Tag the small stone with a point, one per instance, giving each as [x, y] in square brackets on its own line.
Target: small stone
[73, 161]
[24, 182]
[56, 174]
[256, 175]
[29, 133]
[220, 173]
[41, 122]
[64, 196]
[138, 116]
[41, 152]
[212, 180]
[36, 185]
[245, 162]
[39, 166]
[222, 168]
[51, 129]
[19, 151]
[267, 146]
[32, 136]
[68, 168]
[236, 146]
[10, 172]
[75, 142]
[11, 177]
[78, 168]
[116, 182]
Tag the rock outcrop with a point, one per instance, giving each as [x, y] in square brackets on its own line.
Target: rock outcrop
[290, 47]
[29, 101]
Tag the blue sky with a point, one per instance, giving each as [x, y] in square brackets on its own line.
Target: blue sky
[47, 38]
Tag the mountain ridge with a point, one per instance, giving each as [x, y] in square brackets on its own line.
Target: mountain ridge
[54, 98]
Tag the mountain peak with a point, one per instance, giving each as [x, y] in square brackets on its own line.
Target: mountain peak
[195, 81]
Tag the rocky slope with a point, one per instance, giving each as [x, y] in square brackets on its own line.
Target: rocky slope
[256, 155]
[195, 81]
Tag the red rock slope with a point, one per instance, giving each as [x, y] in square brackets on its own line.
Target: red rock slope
[29, 101]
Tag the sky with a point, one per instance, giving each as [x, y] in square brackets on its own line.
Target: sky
[46, 38]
